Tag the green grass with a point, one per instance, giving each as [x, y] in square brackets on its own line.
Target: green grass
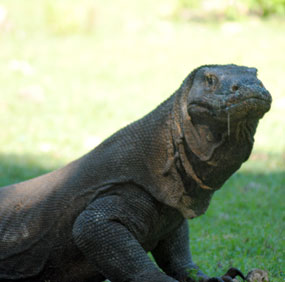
[66, 85]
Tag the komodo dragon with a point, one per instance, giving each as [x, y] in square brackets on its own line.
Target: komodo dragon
[97, 217]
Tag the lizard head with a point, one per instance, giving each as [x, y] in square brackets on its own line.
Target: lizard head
[220, 91]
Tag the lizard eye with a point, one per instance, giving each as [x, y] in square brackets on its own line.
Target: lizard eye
[211, 80]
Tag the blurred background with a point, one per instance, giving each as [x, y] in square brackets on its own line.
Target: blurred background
[73, 72]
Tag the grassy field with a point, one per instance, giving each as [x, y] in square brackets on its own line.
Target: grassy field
[73, 73]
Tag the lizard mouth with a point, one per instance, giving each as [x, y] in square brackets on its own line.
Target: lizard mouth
[250, 107]
[237, 106]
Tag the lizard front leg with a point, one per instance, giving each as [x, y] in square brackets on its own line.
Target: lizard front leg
[111, 247]
[173, 255]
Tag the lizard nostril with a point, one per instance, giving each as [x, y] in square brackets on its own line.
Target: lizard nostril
[235, 88]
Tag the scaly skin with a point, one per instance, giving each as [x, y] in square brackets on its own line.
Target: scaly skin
[97, 217]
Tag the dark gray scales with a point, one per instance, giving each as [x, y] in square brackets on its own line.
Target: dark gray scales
[97, 217]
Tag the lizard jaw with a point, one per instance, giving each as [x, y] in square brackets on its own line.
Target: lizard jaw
[242, 107]
[248, 108]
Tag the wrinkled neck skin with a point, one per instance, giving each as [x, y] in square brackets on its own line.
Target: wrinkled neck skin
[208, 152]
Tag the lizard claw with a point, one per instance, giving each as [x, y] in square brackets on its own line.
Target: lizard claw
[215, 279]
[232, 273]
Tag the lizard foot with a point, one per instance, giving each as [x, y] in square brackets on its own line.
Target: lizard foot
[228, 277]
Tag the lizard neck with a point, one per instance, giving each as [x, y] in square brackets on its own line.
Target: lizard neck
[179, 118]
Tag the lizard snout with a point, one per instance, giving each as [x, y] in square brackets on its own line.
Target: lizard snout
[247, 91]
